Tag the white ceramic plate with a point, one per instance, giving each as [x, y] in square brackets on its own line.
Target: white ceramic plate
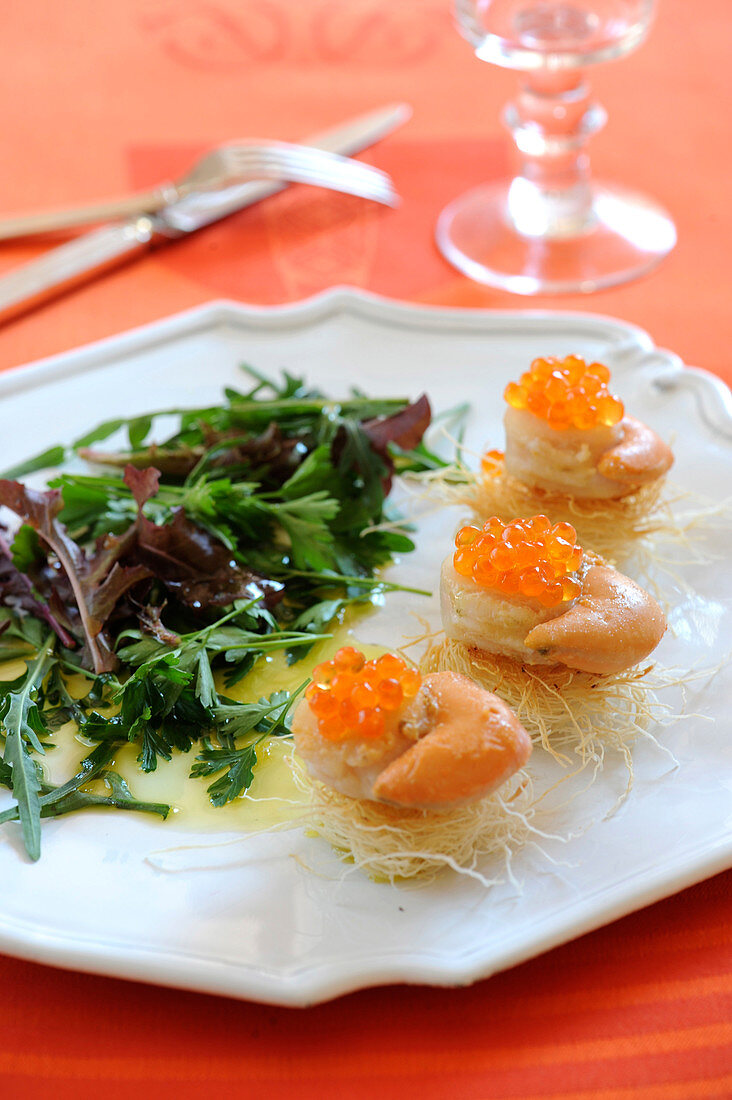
[252, 921]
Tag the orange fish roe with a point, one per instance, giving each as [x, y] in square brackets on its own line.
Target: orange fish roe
[352, 697]
[567, 393]
[527, 557]
[491, 463]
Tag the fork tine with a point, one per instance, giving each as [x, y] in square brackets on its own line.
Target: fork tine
[313, 166]
[237, 159]
[336, 171]
[346, 170]
[300, 154]
[365, 175]
[378, 191]
[338, 180]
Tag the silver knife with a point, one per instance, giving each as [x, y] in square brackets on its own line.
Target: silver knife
[64, 267]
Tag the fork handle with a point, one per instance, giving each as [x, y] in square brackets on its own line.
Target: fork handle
[144, 202]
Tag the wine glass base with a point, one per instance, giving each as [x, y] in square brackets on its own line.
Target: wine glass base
[628, 235]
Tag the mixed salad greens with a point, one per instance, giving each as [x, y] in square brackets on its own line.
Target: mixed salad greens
[250, 528]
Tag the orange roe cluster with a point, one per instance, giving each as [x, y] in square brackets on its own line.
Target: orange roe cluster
[352, 697]
[567, 393]
[524, 558]
[491, 464]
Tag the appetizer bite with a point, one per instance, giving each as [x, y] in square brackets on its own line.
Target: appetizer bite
[573, 452]
[567, 433]
[402, 768]
[555, 629]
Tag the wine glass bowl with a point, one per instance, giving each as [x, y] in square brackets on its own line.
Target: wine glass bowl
[552, 228]
[553, 35]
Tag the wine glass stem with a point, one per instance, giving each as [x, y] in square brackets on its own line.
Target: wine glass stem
[551, 121]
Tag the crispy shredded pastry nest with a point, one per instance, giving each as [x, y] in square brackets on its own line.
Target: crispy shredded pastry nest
[612, 528]
[575, 716]
[396, 845]
[654, 526]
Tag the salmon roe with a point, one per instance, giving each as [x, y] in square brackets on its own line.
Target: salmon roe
[566, 393]
[352, 697]
[526, 557]
[491, 463]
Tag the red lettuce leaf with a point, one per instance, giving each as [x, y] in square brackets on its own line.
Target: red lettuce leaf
[40, 510]
[121, 579]
[16, 591]
[197, 568]
[404, 428]
[143, 484]
[193, 565]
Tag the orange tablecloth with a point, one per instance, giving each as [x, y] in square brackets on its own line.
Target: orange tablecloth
[97, 98]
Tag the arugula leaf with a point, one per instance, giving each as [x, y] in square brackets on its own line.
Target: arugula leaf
[120, 798]
[6, 780]
[26, 787]
[60, 706]
[23, 724]
[102, 431]
[54, 456]
[90, 767]
[138, 430]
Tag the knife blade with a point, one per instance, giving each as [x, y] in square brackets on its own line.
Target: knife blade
[91, 254]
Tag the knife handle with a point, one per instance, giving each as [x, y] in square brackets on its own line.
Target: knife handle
[67, 265]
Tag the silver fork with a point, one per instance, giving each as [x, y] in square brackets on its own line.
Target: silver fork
[227, 165]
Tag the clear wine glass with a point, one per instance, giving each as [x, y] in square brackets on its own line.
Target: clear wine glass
[552, 228]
